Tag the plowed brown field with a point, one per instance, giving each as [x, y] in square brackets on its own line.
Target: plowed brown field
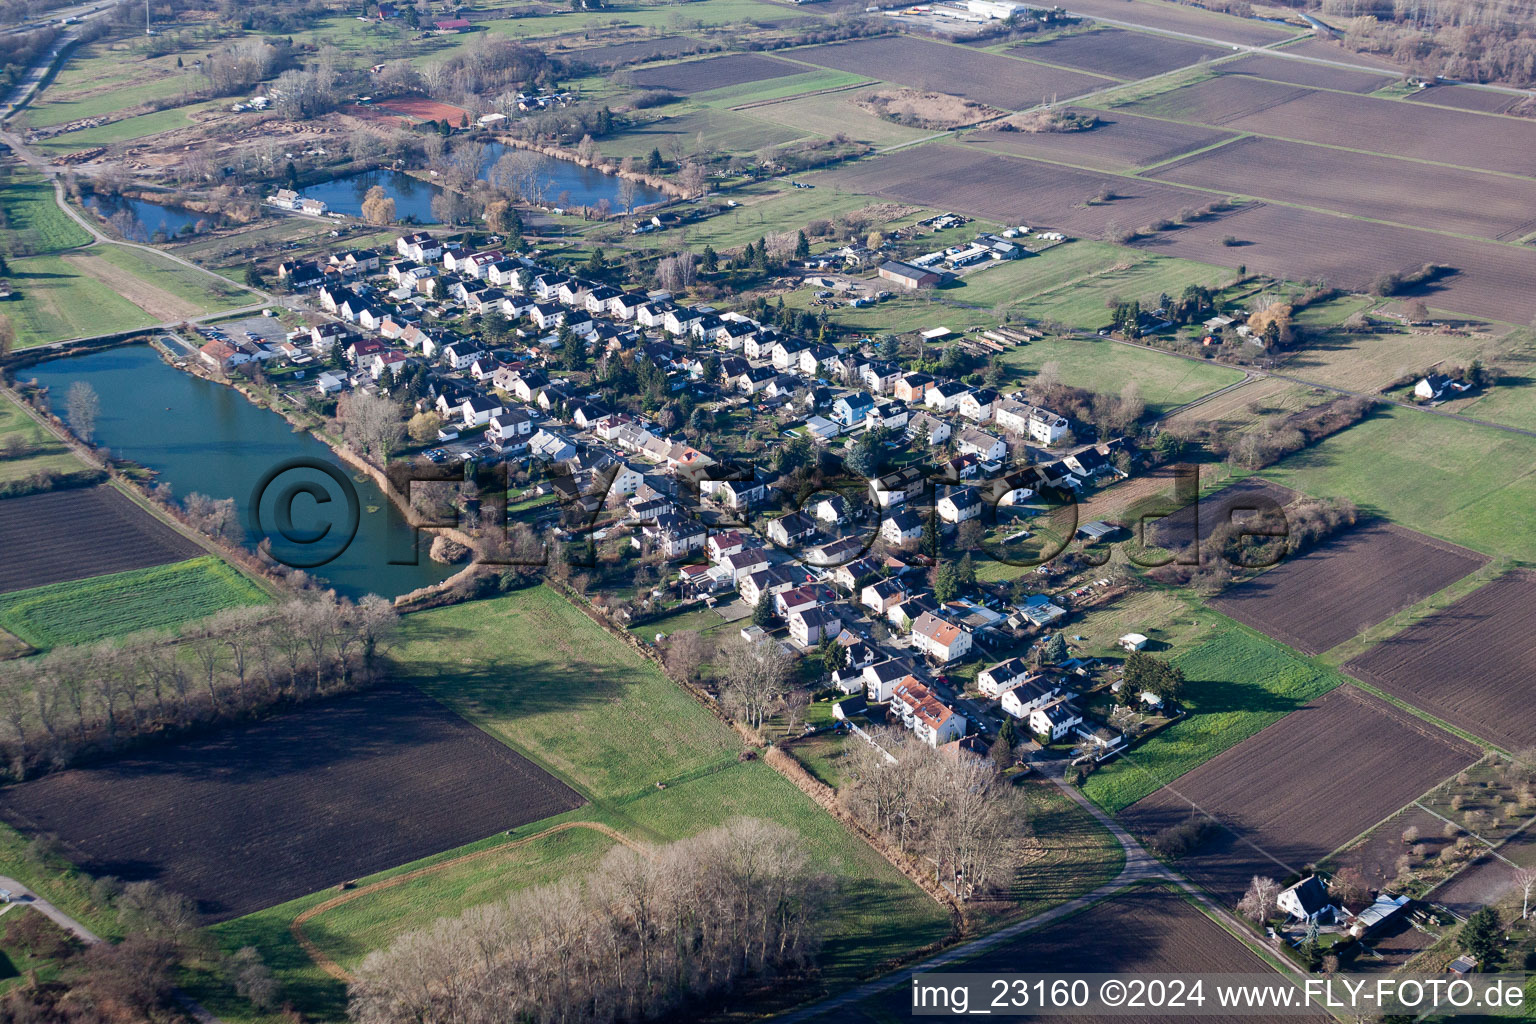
[255, 815]
[1472, 664]
[1303, 787]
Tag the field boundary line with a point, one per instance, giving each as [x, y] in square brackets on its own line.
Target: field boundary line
[805, 95]
[340, 973]
[1397, 702]
[1493, 848]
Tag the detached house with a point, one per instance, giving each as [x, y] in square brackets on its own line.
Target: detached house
[882, 678]
[791, 529]
[881, 595]
[959, 505]
[977, 405]
[943, 641]
[1020, 699]
[995, 679]
[981, 444]
[849, 411]
[809, 625]
[477, 410]
[1054, 720]
[902, 527]
[1039, 425]
[945, 396]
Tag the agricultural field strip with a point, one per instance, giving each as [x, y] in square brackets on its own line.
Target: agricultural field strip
[1497, 702]
[1346, 585]
[1437, 131]
[1258, 809]
[108, 533]
[292, 803]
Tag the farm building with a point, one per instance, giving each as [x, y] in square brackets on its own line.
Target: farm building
[1132, 642]
[907, 276]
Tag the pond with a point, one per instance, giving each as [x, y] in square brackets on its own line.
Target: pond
[584, 186]
[412, 196]
[142, 221]
[203, 437]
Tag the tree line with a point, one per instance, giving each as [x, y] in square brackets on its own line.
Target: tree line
[646, 934]
[96, 698]
[954, 815]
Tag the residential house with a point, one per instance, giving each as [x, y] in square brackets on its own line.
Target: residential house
[943, 641]
[930, 719]
[977, 405]
[995, 679]
[677, 535]
[904, 526]
[1307, 901]
[880, 377]
[1055, 720]
[1039, 425]
[913, 388]
[771, 581]
[418, 246]
[789, 530]
[548, 446]
[1025, 696]
[809, 625]
[891, 415]
[746, 562]
[477, 410]
[849, 410]
[899, 486]
[938, 430]
[509, 430]
[723, 543]
[882, 678]
[959, 505]
[882, 594]
[945, 395]
[985, 446]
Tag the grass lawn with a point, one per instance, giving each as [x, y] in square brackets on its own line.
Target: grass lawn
[209, 294]
[101, 607]
[108, 288]
[1238, 682]
[33, 221]
[1008, 282]
[60, 104]
[767, 209]
[534, 671]
[699, 619]
[43, 450]
[58, 302]
[664, 16]
[1082, 303]
[64, 885]
[126, 130]
[1106, 367]
[1458, 481]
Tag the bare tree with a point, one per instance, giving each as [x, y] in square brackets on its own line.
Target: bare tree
[1260, 902]
[82, 406]
[756, 678]
[371, 424]
[1525, 878]
[378, 207]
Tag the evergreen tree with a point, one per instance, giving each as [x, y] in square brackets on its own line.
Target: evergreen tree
[1480, 936]
[802, 247]
[1054, 652]
[762, 612]
[711, 260]
[293, 176]
[946, 584]
[653, 163]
